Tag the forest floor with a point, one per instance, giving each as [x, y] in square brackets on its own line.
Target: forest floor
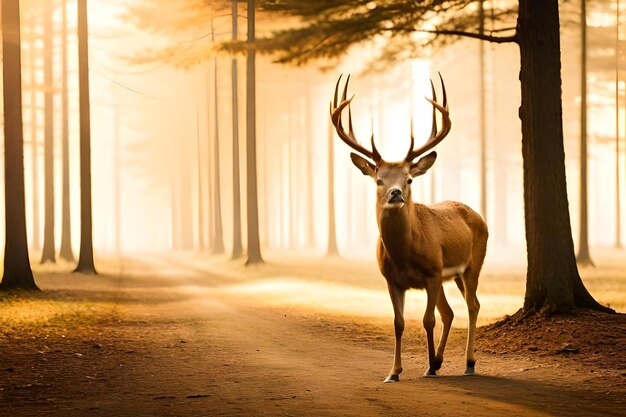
[182, 335]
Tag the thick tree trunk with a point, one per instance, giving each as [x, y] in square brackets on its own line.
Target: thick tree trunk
[48, 251]
[254, 243]
[17, 272]
[66, 223]
[553, 283]
[85, 258]
[237, 244]
[583, 258]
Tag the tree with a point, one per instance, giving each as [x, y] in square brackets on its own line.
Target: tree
[34, 143]
[200, 184]
[217, 239]
[254, 243]
[583, 257]
[618, 226]
[328, 29]
[48, 251]
[237, 245]
[66, 224]
[482, 130]
[17, 272]
[85, 258]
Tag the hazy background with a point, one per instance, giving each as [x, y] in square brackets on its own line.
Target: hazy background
[152, 125]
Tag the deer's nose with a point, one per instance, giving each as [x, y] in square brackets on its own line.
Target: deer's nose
[395, 196]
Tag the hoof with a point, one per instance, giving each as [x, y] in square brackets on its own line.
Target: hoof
[469, 370]
[392, 378]
[436, 365]
[430, 373]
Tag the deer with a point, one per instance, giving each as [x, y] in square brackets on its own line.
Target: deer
[420, 246]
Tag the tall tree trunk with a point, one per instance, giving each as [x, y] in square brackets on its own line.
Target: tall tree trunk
[36, 243]
[292, 197]
[482, 132]
[583, 257]
[85, 257]
[218, 237]
[66, 223]
[254, 244]
[17, 272]
[309, 170]
[117, 183]
[200, 183]
[332, 228]
[618, 222]
[553, 283]
[48, 252]
[237, 244]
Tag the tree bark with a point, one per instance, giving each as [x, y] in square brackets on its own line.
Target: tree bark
[48, 251]
[254, 244]
[85, 258]
[237, 244]
[66, 223]
[553, 283]
[17, 272]
[583, 258]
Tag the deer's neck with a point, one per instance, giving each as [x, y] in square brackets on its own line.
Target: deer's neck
[397, 230]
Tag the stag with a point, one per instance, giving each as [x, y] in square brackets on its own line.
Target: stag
[420, 246]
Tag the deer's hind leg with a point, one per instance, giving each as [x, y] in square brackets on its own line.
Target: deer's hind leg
[473, 306]
[447, 315]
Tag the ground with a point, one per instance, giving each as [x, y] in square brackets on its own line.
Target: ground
[184, 335]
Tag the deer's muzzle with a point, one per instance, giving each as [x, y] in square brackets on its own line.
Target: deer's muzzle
[395, 196]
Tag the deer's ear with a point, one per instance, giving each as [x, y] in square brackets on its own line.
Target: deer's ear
[366, 167]
[423, 165]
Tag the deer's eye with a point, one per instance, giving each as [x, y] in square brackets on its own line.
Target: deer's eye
[379, 182]
[409, 181]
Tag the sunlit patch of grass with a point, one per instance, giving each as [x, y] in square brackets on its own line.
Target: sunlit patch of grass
[22, 310]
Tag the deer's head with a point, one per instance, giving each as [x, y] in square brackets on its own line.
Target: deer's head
[393, 179]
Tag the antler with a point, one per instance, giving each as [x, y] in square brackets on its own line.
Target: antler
[435, 137]
[348, 138]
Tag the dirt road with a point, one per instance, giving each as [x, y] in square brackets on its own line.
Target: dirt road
[166, 341]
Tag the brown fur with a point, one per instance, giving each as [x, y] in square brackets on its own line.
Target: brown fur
[417, 244]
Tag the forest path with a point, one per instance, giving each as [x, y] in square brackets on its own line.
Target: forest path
[178, 344]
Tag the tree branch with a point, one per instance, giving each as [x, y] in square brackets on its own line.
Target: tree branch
[488, 38]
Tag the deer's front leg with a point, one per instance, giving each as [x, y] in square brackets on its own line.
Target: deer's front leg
[397, 299]
[432, 291]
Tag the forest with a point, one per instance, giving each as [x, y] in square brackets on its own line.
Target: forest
[255, 207]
